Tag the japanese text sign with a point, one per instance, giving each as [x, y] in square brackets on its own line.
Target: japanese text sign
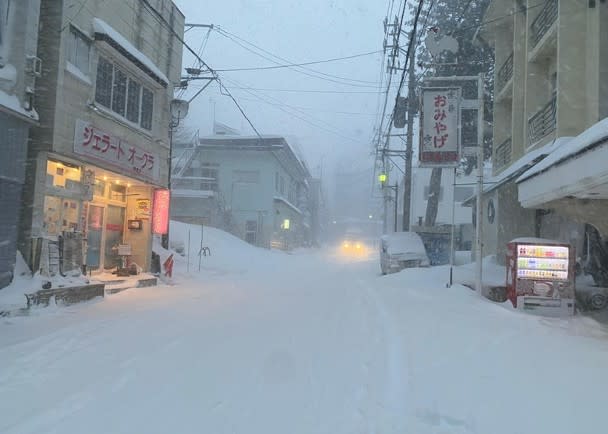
[439, 121]
[98, 145]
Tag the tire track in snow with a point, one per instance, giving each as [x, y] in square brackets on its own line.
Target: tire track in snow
[394, 399]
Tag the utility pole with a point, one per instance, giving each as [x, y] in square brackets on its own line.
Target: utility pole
[409, 150]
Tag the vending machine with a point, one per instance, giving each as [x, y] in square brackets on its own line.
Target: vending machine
[541, 276]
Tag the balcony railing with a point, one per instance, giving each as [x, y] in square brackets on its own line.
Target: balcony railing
[542, 122]
[505, 73]
[503, 154]
[543, 22]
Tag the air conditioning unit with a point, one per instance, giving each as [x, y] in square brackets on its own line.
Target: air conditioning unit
[33, 66]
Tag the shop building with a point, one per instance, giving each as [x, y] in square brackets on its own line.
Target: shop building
[19, 68]
[101, 152]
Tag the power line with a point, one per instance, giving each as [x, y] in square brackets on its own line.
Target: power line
[318, 109]
[395, 51]
[289, 65]
[280, 105]
[313, 73]
[239, 107]
[312, 90]
[407, 59]
[167, 25]
[502, 17]
[82, 5]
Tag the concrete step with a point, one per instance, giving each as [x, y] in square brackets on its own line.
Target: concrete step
[121, 285]
[67, 295]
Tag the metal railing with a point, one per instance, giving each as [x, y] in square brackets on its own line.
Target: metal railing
[503, 154]
[182, 161]
[505, 73]
[543, 22]
[542, 122]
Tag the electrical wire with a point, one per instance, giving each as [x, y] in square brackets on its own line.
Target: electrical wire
[317, 123]
[302, 69]
[82, 5]
[335, 59]
[167, 25]
[312, 90]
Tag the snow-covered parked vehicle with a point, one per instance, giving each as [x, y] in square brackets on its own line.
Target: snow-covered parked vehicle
[401, 250]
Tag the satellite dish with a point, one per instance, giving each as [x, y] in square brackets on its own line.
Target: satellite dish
[437, 44]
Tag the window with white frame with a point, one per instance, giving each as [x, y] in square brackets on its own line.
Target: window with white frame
[123, 94]
[79, 50]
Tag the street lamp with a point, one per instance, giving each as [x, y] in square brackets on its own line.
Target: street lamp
[178, 111]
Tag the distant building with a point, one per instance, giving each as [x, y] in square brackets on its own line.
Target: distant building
[257, 188]
[452, 195]
[102, 148]
[19, 67]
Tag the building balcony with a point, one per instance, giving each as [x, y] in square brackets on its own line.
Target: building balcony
[502, 156]
[504, 77]
[543, 122]
[543, 23]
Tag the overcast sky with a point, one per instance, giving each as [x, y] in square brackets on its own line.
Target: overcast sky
[324, 124]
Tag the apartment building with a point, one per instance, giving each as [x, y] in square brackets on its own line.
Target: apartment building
[550, 59]
[101, 151]
[19, 68]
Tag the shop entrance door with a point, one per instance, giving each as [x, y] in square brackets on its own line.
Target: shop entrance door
[94, 236]
[115, 218]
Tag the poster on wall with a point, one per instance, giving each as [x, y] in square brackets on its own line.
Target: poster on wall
[143, 209]
[439, 125]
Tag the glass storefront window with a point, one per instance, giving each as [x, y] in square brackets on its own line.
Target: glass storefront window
[99, 188]
[60, 215]
[63, 175]
[118, 192]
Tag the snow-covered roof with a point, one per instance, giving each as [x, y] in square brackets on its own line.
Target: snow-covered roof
[103, 28]
[527, 161]
[535, 240]
[597, 133]
[12, 103]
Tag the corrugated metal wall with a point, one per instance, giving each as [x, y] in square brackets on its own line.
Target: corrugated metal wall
[13, 144]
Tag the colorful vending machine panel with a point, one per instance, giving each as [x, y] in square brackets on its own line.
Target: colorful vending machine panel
[540, 276]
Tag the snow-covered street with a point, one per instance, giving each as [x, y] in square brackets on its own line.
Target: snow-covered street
[305, 343]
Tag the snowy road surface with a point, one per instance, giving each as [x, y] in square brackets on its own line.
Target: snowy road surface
[304, 343]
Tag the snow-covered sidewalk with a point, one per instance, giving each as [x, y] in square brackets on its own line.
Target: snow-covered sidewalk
[264, 342]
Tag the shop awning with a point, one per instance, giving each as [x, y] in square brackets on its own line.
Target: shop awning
[527, 161]
[576, 170]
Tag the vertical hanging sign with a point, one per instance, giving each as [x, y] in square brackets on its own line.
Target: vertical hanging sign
[439, 124]
[160, 211]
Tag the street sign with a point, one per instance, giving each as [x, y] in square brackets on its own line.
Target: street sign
[439, 127]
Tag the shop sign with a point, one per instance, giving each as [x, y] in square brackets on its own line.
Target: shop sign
[439, 135]
[160, 211]
[98, 145]
[88, 179]
[142, 209]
